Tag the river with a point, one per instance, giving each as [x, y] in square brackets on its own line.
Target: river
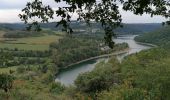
[68, 76]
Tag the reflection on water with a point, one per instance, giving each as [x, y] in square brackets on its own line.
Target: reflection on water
[68, 76]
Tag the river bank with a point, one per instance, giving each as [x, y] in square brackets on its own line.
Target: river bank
[108, 55]
[97, 57]
[148, 44]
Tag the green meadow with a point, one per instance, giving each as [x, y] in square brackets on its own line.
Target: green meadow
[39, 43]
[7, 70]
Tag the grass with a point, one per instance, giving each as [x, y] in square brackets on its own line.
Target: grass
[1, 35]
[43, 40]
[24, 46]
[31, 43]
[6, 70]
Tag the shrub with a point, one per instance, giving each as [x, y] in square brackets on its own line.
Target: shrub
[6, 82]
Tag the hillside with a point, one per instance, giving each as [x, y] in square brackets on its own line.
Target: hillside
[138, 28]
[140, 76]
[127, 28]
[159, 37]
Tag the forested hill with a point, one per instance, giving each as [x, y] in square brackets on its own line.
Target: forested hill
[140, 76]
[127, 28]
[159, 37]
[138, 28]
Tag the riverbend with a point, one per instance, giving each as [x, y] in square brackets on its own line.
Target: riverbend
[68, 76]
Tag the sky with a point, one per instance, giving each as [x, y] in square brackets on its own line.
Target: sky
[9, 10]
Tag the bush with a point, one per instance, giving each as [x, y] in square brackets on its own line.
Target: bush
[48, 78]
[21, 69]
[101, 78]
[56, 88]
[6, 82]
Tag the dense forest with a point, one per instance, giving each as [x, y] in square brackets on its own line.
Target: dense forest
[159, 37]
[73, 49]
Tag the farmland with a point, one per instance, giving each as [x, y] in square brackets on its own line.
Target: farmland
[7, 70]
[40, 43]
[27, 44]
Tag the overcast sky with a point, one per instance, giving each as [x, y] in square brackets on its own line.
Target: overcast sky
[9, 10]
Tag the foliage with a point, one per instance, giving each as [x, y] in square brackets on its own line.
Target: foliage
[56, 88]
[21, 69]
[14, 57]
[48, 77]
[6, 82]
[159, 37]
[135, 28]
[70, 50]
[149, 72]
[104, 75]
[6, 59]
[141, 76]
[76, 48]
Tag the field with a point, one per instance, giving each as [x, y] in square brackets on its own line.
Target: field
[1, 35]
[31, 43]
[43, 40]
[39, 43]
[6, 70]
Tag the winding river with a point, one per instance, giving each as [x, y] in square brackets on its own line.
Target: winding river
[68, 76]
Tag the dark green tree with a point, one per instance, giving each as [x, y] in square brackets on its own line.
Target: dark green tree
[105, 12]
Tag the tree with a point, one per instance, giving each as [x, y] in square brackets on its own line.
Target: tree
[105, 12]
[6, 82]
[56, 87]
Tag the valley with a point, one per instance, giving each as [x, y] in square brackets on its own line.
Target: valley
[54, 65]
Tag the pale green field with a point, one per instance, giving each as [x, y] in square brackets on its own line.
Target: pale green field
[6, 70]
[1, 34]
[43, 40]
[31, 43]
[25, 46]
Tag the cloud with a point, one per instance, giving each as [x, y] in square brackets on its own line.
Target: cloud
[19, 4]
[9, 16]
[129, 17]
[13, 4]
[9, 10]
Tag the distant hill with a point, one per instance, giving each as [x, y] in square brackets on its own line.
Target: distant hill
[127, 29]
[159, 37]
[12, 26]
[138, 28]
